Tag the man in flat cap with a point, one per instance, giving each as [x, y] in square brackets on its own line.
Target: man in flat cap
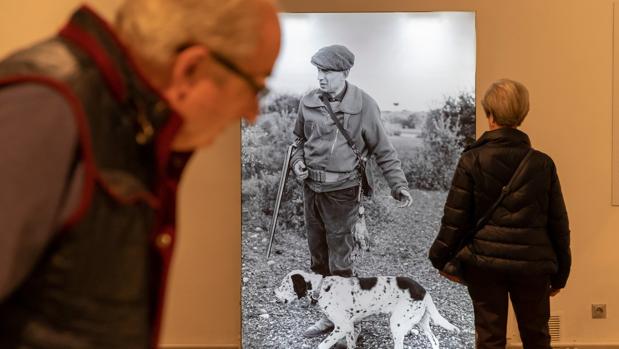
[329, 166]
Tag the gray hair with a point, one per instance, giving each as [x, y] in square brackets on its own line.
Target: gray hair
[507, 101]
[157, 29]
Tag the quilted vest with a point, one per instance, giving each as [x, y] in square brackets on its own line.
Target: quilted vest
[101, 281]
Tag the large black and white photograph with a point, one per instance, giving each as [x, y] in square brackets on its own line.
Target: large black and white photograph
[344, 179]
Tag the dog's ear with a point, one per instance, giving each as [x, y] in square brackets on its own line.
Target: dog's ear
[298, 282]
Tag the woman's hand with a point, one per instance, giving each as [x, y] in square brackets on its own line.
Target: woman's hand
[451, 277]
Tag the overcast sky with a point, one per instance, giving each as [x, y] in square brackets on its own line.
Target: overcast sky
[414, 59]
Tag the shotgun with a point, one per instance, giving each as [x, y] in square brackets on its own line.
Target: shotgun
[280, 191]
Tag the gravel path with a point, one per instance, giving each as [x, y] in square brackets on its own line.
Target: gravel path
[401, 238]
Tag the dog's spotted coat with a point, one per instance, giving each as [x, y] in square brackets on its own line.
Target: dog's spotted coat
[348, 300]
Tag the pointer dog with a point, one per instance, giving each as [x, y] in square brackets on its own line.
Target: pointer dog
[348, 300]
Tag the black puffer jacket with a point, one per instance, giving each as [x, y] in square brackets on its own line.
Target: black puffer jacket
[528, 233]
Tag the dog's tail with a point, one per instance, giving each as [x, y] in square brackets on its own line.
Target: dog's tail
[436, 317]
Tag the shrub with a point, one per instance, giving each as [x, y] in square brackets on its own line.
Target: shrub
[432, 168]
[263, 151]
[458, 112]
[258, 200]
[445, 133]
[264, 145]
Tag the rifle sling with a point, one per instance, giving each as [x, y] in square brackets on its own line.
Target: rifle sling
[324, 99]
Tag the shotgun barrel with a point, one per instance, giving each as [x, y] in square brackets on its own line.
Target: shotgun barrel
[280, 192]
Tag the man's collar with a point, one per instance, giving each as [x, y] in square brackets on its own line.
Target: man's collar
[352, 100]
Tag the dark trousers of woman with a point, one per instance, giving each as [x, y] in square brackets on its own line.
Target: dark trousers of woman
[530, 299]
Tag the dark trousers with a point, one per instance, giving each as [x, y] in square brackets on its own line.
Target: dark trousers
[329, 218]
[530, 299]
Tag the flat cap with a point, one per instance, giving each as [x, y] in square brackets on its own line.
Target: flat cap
[334, 57]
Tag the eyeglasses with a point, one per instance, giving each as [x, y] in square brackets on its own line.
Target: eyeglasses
[259, 89]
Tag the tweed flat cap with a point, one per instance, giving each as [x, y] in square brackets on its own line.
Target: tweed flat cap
[334, 57]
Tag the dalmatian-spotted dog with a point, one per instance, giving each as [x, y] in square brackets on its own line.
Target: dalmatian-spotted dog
[347, 300]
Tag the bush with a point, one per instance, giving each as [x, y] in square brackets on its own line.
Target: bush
[432, 168]
[264, 145]
[263, 151]
[458, 112]
[258, 198]
[446, 132]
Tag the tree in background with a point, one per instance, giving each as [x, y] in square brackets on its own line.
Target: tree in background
[458, 112]
[446, 132]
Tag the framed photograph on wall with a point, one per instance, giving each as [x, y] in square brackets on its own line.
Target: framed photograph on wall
[401, 88]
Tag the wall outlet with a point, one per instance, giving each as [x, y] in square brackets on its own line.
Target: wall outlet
[598, 311]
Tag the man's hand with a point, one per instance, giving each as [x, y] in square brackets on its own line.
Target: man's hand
[300, 170]
[405, 198]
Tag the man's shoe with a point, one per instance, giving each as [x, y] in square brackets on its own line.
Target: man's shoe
[322, 326]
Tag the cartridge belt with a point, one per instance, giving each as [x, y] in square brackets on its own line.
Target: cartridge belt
[329, 177]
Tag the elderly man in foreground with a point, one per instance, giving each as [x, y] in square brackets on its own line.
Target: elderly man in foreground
[97, 124]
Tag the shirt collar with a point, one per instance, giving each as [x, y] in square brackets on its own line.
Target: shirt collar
[339, 96]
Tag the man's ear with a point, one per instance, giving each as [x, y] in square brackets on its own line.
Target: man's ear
[185, 66]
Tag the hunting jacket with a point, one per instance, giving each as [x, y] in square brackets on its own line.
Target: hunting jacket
[324, 148]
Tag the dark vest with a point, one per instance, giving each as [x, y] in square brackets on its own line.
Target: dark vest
[101, 280]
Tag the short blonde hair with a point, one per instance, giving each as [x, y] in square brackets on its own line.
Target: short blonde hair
[156, 29]
[507, 101]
